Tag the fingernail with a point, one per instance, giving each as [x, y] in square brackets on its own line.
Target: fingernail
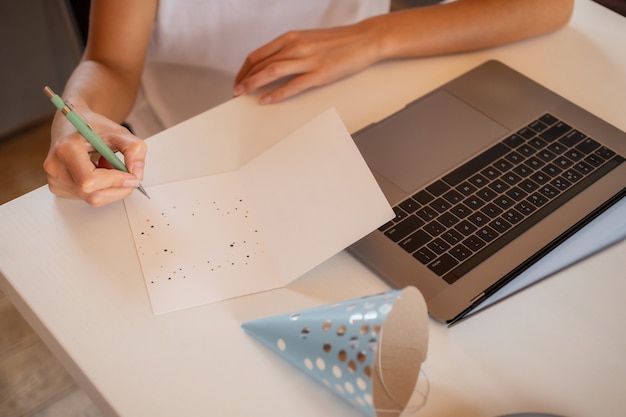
[266, 99]
[238, 89]
[130, 183]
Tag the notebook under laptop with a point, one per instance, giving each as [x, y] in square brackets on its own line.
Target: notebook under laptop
[486, 174]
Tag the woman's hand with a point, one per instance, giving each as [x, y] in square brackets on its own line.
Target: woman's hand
[311, 57]
[317, 57]
[75, 170]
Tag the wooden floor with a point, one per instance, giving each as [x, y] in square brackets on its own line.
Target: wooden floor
[32, 382]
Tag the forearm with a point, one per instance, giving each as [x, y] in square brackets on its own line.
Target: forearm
[107, 78]
[93, 86]
[465, 25]
[102, 90]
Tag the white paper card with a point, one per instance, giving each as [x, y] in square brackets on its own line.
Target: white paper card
[260, 227]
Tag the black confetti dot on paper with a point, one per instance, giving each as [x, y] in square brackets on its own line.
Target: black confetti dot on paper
[233, 254]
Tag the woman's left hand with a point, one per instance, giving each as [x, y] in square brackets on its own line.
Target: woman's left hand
[311, 57]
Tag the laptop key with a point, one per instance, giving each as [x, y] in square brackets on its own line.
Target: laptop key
[526, 132]
[556, 131]
[478, 180]
[563, 162]
[538, 126]
[572, 175]
[605, 153]
[583, 167]
[441, 205]
[500, 225]
[490, 173]
[466, 188]
[491, 210]
[487, 234]
[460, 210]
[588, 145]
[516, 194]
[474, 243]
[423, 197]
[437, 188]
[549, 191]
[415, 241]
[513, 216]
[511, 178]
[409, 205]
[557, 148]
[400, 214]
[574, 155]
[537, 143]
[514, 158]
[404, 228]
[514, 140]
[438, 246]
[427, 213]
[465, 227]
[522, 170]
[448, 219]
[452, 236]
[548, 119]
[528, 185]
[487, 194]
[470, 168]
[453, 196]
[386, 226]
[572, 138]
[537, 199]
[594, 160]
[551, 170]
[561, 183]
[523, 207]
[434, 228]
[424, 255]
[526, 150]
[443, 264]
[460, 252]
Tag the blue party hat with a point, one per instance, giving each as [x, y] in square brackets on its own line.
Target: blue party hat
[368, 350]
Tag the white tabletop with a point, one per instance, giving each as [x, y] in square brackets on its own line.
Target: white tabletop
[556, 347]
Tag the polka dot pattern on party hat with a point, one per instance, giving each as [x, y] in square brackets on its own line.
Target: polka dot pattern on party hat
[335, 344]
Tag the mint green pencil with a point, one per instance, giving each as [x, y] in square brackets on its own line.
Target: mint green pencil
[87, 132]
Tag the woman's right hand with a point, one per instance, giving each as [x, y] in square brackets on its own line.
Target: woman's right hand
[75, 170]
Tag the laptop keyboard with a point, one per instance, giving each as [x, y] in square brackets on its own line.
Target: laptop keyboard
[455, 223]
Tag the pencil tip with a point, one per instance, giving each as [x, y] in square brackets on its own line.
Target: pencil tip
[143, 191]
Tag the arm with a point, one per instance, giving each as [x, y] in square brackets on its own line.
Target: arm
[318, 57]
[103, 88]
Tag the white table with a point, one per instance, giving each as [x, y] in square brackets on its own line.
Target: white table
[557, 347]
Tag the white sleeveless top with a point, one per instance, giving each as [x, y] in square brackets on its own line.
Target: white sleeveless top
[198, 46]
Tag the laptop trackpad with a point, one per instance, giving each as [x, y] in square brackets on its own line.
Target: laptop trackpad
[426, 139]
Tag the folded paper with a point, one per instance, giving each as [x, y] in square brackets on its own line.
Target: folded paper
[258, 227]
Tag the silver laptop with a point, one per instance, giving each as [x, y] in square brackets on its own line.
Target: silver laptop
[486, 174]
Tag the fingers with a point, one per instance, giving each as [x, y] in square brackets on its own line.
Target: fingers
[98, 189]
[134, 150]
[259, 55]
[270, 71]
[294, 86]
[290, 54]
[72, 173]
[312, 58]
